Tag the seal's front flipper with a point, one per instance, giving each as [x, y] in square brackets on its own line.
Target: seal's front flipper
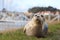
[24, 30]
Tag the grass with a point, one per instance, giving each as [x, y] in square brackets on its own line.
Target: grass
[53, 34]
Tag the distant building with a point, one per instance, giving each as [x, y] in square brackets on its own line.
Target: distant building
[9, 15]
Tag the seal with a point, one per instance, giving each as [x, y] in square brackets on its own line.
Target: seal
[36, 26]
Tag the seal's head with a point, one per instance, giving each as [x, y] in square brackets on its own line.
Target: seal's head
[38, 18]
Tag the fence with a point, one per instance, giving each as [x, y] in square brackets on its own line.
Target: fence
[52, 18]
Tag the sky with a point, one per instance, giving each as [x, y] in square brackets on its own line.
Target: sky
[24, 5]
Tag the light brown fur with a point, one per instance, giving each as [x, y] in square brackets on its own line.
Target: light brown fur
[34, 27]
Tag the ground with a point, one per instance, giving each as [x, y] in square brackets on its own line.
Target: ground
[53, 34]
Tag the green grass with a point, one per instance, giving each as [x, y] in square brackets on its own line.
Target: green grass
[54, 34]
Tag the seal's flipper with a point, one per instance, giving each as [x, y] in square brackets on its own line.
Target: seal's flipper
[24, 30]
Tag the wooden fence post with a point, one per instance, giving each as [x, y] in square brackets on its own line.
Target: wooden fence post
[58, 17]
[49, 17]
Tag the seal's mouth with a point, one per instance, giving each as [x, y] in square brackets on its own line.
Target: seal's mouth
[38, 21]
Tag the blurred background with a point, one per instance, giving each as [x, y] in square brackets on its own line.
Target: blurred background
[18, 12]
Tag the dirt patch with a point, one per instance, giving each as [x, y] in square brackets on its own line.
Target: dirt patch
[55, 22]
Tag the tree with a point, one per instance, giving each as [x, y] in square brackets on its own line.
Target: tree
[34, 9]
[52, 9]
[4, 10]
[40, 9]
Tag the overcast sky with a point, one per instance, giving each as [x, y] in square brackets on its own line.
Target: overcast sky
[24, 5]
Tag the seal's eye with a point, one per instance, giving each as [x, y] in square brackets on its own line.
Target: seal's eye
[35, 15]
[42, 16]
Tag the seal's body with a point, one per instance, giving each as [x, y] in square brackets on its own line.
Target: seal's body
[36, 27]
